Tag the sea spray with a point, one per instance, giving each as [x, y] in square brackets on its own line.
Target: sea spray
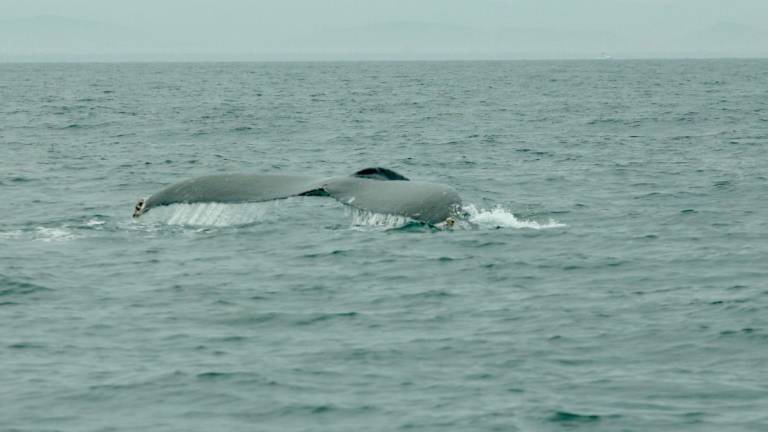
[499, 217]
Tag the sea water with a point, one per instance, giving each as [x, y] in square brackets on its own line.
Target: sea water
[610, 273]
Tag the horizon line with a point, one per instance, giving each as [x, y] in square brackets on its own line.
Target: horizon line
[367, 57]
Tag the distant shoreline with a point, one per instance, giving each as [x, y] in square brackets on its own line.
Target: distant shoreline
[310, 58]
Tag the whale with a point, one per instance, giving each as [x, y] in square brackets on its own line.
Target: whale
[377, 190]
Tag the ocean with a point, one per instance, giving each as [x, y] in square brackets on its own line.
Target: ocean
[610, 273]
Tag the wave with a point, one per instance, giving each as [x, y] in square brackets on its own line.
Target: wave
[14, 287]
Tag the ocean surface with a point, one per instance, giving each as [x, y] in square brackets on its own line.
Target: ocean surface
[611, 273]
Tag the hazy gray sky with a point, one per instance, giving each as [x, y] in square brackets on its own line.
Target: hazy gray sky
[386, 29]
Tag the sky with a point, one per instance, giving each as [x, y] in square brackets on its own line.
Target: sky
[382, 29]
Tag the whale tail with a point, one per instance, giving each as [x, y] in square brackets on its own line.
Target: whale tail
[138, 209]
[378, 190]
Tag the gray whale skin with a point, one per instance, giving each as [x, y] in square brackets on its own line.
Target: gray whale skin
[378, 190]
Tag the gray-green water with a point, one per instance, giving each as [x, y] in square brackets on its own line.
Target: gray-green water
[612, 276]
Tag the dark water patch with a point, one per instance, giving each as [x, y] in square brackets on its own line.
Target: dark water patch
[18, 287]
[239, 377]
[534, 152]
[567, 417]
[574, 361]
[432, 296]
[413, 227]
[489, 244]
[429, 294]
[26, 346]
[695, 417]
[747, 332]
[612, 122]
[335, 252]
[733, 301]
[230, 339]
[480, 376]
[321, 410]
[253, 319]
[326, 317]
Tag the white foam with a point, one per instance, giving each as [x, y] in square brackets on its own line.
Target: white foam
[94, 222]
[501, 217]
[10, 234]
[53, 234]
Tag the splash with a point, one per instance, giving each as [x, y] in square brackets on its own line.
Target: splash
[210, 214]
[94, 223]
[364, 218]
[222, 215]
[499, 217]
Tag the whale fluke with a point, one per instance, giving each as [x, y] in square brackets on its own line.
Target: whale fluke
[379, 173]
[378, 190]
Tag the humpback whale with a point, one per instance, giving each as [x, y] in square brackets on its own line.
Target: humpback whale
[378, 190]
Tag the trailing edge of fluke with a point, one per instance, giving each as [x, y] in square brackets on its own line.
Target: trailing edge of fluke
[378, 190]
